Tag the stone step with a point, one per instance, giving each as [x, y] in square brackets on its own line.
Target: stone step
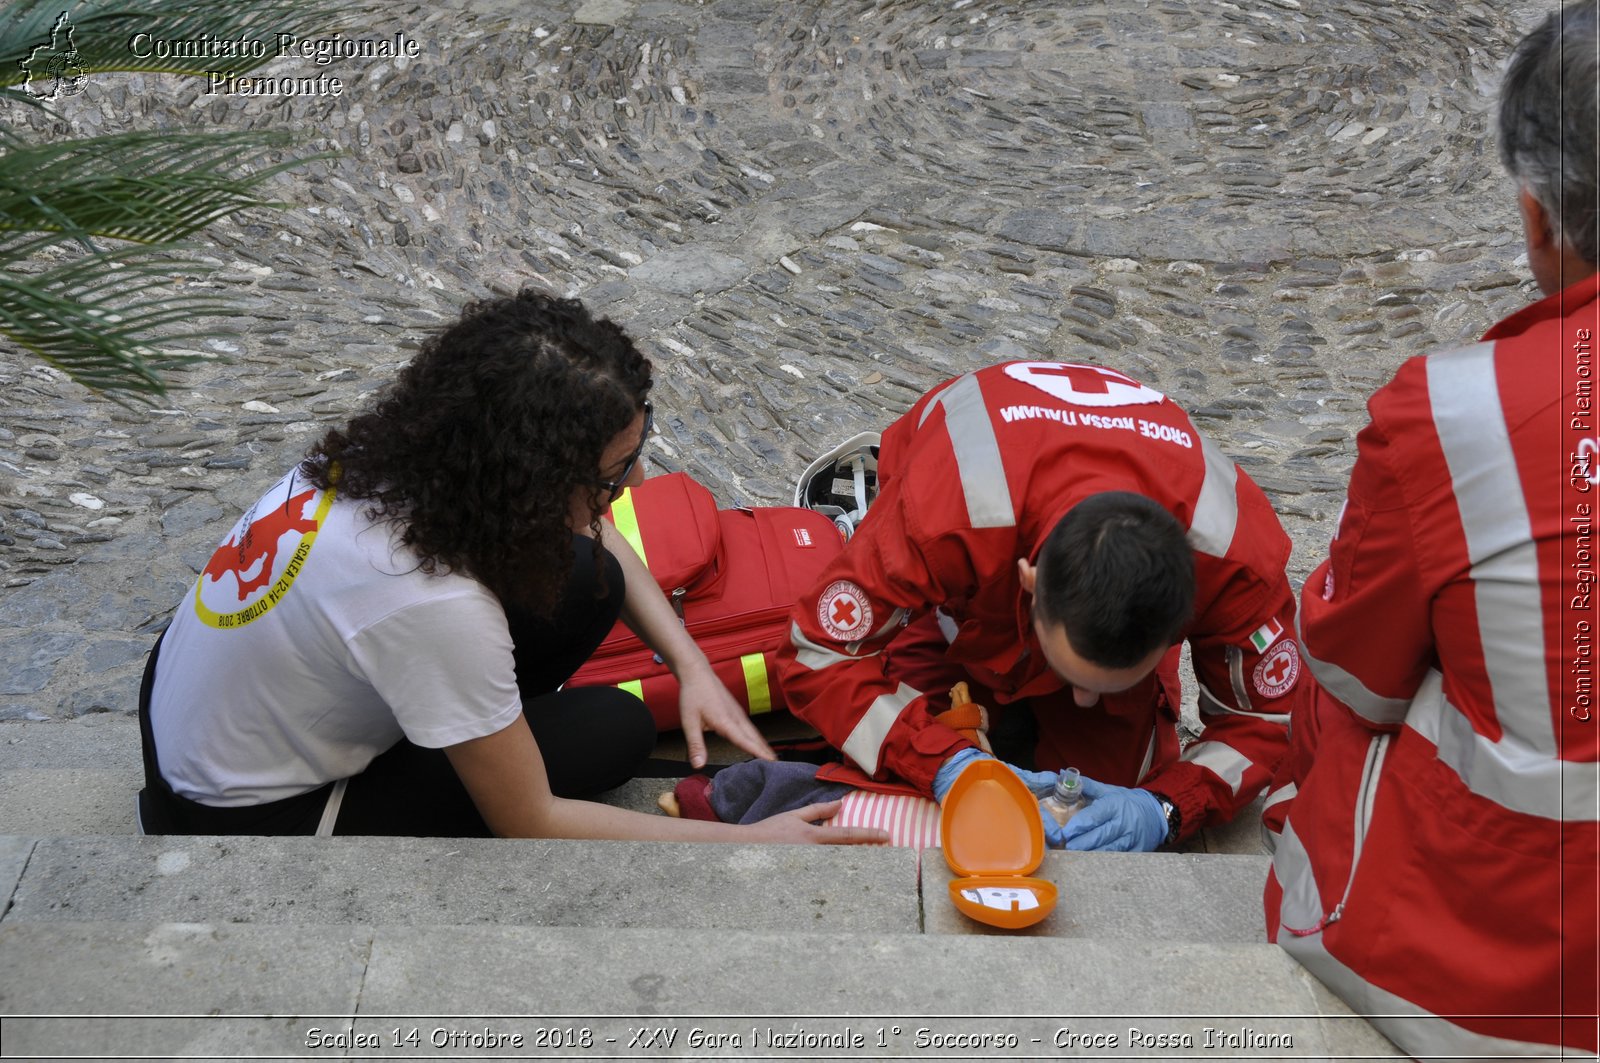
[76, 777]
[102, 740]
[61, 801]
[1172, 897]
[69, 801]
[261, 989]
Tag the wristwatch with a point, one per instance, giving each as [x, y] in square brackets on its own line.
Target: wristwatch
[1174, 817]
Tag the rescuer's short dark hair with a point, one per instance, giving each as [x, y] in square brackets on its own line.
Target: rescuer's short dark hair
[1117, 573]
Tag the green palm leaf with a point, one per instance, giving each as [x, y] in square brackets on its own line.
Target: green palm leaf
[145, 187]
[89, 226]
[91, 318]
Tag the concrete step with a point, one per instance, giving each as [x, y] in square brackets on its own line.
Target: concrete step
[1172, 897]
[66, 801]
[402, 881]
[645, 992]
[70, 776]
[69, 801]
[77, 777]
[100, 740]
[367, 935]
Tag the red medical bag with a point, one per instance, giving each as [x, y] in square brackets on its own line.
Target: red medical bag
[732, 575]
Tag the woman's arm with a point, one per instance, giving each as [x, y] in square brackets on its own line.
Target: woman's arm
[504, 773]
[703, 701]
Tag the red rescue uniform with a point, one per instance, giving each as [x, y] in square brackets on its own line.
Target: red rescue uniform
[1438, 868]
[927, 593]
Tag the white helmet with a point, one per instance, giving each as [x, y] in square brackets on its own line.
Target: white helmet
[842, 483]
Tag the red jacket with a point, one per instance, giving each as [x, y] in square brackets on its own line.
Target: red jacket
[971, 480]
[1439, 862]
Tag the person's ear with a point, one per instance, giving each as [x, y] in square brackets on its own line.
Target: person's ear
[1536, 227]
[1027, 573]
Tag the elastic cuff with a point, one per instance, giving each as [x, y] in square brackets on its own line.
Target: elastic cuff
[1174, 822]
[1181, 784]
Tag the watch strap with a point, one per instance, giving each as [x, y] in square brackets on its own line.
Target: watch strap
[1174, 817]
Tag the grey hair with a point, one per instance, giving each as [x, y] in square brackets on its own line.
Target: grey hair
[1548, 123]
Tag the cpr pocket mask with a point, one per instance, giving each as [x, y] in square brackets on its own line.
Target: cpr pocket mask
[993, 841]
[842, 483]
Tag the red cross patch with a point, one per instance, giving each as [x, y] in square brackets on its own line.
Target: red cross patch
[844, 611]
[1277, 670]
[1083, 385]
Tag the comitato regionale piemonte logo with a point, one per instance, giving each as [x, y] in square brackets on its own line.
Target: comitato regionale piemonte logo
[54, 68]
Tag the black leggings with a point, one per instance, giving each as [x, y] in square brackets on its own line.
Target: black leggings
[591, 738]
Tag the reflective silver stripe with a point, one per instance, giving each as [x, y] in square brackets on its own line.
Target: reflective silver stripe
[1366, 800]
[1269, 837]
[1415, 1030]
[1216, 511]
[1301, 906]
[330, 811]
[1227, 762]
[1288, 792]
[866, 740]
[1241, 694]
[1375, 708]
[947, 624]
[977, 453]
[1507, 772]
[1211, 706]
[1511, 625]
[1208, 703]
[934, 397]
[1149, 756]
[815, 657]
[1465, 399]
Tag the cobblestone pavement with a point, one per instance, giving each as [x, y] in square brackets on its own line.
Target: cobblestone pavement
[809, 213]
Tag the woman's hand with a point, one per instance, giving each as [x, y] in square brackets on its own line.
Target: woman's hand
[705, 704]
[799, 827]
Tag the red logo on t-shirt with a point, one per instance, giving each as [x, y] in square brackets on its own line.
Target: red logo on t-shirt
[257, 547]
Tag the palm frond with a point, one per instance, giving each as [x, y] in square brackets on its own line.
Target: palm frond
[10, 95]
[143, 187]
[100, 318]
[108, 315]
[103, 35]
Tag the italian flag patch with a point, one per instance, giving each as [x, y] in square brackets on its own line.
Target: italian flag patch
[1266, 635]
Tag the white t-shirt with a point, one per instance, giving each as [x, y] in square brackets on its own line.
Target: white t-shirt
[310, 644]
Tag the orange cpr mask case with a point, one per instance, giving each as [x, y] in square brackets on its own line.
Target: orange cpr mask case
[993, 840]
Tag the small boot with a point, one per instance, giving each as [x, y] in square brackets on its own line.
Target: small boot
[966, 717]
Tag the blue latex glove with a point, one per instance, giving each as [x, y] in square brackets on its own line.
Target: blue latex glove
[1117, 819]
[1042, 783]
[1039, 782]
[945, 777]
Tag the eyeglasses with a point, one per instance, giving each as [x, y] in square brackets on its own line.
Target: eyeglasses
[617, 486]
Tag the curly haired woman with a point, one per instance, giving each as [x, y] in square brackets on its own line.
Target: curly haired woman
[377, 646]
